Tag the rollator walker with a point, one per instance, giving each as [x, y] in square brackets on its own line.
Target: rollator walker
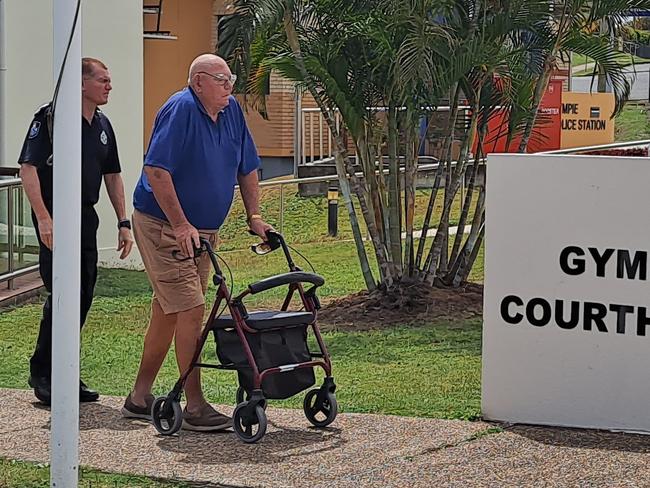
[268, 349]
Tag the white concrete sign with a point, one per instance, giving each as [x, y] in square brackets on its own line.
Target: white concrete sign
[566, 337]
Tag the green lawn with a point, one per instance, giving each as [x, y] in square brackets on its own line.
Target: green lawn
[428, 369]
[17, 474]
[305, 218]
[632, 124]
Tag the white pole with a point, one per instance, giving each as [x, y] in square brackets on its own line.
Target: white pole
[66, 275]
[3, 81]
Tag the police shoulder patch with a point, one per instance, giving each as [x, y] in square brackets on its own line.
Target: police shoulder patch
[34, 129]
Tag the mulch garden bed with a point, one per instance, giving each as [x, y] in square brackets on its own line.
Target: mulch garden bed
[364, 311]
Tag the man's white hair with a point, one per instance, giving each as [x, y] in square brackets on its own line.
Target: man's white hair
[204, 62]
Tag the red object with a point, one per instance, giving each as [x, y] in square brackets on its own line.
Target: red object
[546, 132]
[633, 151]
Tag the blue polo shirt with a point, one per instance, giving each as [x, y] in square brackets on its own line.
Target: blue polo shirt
[202, 156]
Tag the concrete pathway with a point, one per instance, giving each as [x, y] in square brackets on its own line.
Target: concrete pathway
[356, 451]
[638, 75]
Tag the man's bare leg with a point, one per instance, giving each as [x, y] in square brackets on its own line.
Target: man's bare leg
[156, 345]
[188, 332]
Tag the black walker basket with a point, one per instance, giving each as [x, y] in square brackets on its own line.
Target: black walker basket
[270, 349]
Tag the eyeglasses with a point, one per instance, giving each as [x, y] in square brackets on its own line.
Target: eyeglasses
[221, 79]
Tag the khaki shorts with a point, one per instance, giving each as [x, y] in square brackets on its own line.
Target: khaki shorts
[177, 285]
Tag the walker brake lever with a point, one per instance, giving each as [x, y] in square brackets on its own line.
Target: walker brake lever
[271, 244]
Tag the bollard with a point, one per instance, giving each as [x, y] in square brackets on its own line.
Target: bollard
[332, 210]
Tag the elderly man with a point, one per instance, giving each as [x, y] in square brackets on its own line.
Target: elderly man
[200, 148]
[99, 159]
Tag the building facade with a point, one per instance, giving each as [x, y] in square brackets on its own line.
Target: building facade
[148, 47]
[186, 29]
[111, 31]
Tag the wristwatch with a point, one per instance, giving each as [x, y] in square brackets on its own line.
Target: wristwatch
[124, 223]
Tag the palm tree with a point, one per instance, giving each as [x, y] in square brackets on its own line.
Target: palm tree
[575, 26]
[409, 57]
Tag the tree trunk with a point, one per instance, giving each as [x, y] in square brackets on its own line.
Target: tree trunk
[354, 223]
[341, 158]
[442, 234]
[465, 270]
[376, 145]
[467, 256]
[540, 88]
[374, 216]
[445, 157]
[410, 169]
[469, 195]
[394, 200]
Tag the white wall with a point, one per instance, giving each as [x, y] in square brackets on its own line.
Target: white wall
[28, 77]
[112, 32]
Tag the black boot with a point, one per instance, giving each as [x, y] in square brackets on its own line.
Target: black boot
[42, 388]
[86, 394]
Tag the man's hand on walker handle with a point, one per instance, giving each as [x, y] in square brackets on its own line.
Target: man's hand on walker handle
[258, 226]
[187, 238]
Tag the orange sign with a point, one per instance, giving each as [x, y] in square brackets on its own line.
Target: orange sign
[586, 119]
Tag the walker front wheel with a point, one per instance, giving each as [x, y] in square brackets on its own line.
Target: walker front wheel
[243, 396]
[249, 424]
[166, 415]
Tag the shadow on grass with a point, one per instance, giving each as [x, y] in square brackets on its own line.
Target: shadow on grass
[584, 438]
[276, 446]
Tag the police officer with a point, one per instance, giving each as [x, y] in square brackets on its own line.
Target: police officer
[99, 159]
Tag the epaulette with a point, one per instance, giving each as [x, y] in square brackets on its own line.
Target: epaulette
[42, 108]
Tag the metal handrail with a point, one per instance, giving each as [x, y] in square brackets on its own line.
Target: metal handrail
[10, 276]
[11, 182]
[320, 179]
[12, 273]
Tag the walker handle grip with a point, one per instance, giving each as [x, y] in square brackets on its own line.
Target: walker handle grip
[285, 279]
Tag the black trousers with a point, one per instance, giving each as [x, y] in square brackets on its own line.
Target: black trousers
[41, 361]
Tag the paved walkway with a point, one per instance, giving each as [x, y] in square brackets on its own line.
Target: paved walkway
[356, 451]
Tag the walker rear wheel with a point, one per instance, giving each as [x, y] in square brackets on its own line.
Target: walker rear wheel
[320, 407]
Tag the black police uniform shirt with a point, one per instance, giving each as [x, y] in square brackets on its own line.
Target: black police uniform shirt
[98, 155]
